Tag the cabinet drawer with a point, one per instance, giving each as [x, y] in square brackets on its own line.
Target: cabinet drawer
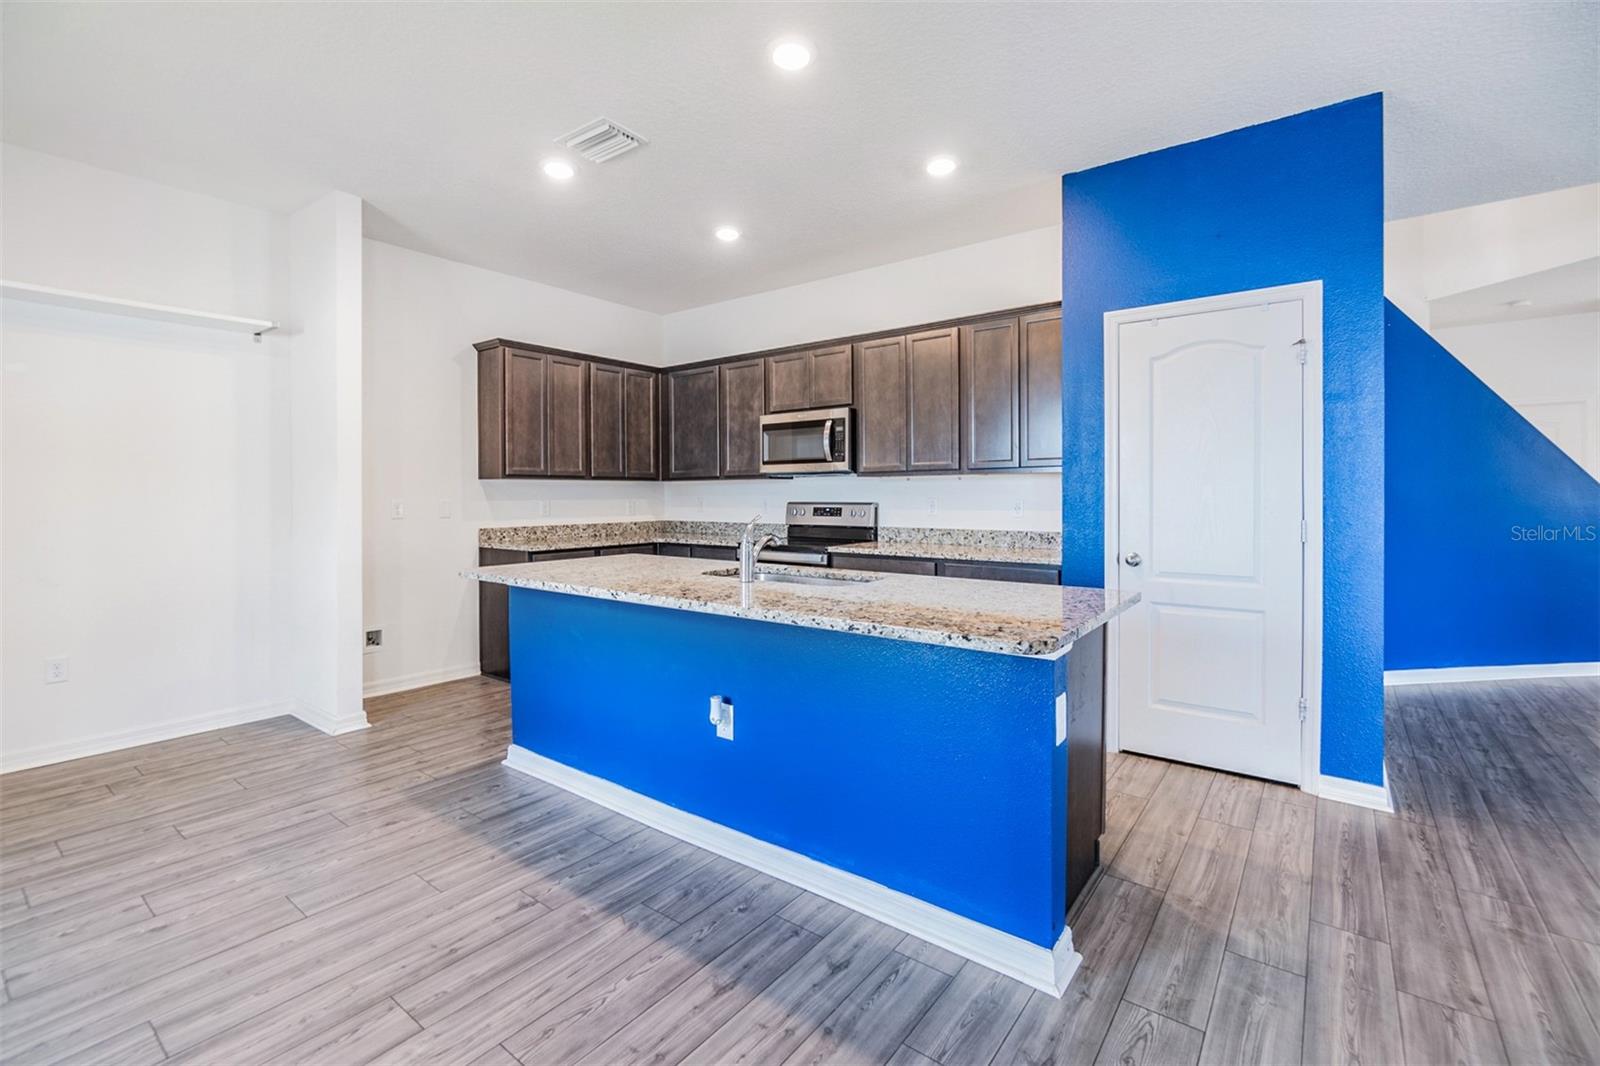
[1033, 575]
[884, 564]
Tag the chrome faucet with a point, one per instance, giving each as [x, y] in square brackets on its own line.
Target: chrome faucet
[751, 546]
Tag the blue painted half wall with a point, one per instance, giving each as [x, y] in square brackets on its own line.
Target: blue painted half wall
[1491, 556]
[1298, 199]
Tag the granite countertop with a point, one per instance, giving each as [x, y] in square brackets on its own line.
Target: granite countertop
[912, 542]
[990, 616]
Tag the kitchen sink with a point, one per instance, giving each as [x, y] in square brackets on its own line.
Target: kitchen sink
[790, 577]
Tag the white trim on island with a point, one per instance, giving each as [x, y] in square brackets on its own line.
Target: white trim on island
[1039, 967]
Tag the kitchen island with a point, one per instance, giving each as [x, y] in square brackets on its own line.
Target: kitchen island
[925, 750]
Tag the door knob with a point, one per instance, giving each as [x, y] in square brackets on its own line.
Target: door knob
[1132, 559]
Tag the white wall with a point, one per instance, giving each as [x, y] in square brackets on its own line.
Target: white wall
[142, 480]
[1013, 271]
[420, 439]
[1547, 368]
[320, 604]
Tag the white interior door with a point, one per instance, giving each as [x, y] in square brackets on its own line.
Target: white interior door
[1210, 534]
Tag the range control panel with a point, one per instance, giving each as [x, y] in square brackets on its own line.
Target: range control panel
[831, 514]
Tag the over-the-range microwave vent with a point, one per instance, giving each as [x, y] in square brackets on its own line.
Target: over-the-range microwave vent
[601, 140]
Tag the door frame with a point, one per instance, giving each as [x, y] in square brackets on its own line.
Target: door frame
[1311, 482]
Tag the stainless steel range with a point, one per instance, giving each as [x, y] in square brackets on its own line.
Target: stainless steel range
[815, 527]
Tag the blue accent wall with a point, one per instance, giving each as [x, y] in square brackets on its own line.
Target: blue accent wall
[1491, 556]
[931, 770]
[1298, 199]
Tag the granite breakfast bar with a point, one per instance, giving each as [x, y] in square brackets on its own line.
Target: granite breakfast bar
[925, 750]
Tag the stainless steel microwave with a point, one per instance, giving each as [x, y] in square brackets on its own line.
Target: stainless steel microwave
[818, 441]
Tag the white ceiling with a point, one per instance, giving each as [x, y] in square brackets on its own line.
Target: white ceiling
[438, 114]
[1564, 290]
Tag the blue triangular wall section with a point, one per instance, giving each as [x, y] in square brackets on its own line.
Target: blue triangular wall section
[1491, 532]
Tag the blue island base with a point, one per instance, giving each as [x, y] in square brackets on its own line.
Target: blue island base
[926, 786]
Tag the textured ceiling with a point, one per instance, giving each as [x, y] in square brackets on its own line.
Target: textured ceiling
[438, 114]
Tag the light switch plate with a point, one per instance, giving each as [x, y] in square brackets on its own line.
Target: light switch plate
[1061, 718]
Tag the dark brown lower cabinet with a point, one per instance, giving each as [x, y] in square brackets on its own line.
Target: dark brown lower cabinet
[713, 551]
[630, 549]
[885, 564]
[494, 633]
[494, 643]
[680, 550]
[1086, 760]
[1033, 575]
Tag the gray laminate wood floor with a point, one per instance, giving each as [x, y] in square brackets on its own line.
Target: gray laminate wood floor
[269, 894]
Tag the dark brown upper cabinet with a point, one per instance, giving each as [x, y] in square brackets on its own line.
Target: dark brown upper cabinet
[880, 374]
[567, 417]
[641, 442]
[512, 387]
[933, 400]
[693, 407]
[989, 419]
[1041, 389]
[817, 377]
[605, 421]
[743, 393]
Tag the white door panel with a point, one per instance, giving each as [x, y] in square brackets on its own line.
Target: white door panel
[1209, 446]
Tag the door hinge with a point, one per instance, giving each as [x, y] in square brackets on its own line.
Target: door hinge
[1300, 350]
[1302, 710]
[1304, 533]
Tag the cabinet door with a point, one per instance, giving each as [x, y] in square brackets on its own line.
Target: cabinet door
[880, 374]
[567, 420]
[933, 400]
[989, 394]
[692, 408]
[743, 392]
[1041, 389]
[526, 378]
[789, 381]
[830, 377]
[641, 442]
[605, 421]
[494, 640]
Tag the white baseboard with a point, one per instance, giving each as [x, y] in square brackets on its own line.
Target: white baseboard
[1039, 967]
[407, 682]
[1356, 793]
[132, 738]
[1449, 674]
[316, 718]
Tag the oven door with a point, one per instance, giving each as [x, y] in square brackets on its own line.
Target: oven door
[807, 442]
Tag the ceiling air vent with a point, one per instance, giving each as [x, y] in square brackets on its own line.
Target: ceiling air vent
[601, 140]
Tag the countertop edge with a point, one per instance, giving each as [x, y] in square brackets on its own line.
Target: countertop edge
[1044, 648]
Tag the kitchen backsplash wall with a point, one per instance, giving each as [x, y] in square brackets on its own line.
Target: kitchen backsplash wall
[982, 501]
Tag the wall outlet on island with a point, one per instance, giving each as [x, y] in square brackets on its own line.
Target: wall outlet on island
[722, 717]
[55, 670]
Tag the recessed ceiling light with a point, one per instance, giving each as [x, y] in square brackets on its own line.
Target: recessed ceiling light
[727, 233]
[941, 165]
[559, 169]
[791, 54]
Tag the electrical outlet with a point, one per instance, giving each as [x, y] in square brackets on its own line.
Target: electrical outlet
[374, 641]
[544, 508]
[933, 506]
[55, 670]
[445, 509]
[1016, 508]
[633, 507]
[722, 717]
[397, 509]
